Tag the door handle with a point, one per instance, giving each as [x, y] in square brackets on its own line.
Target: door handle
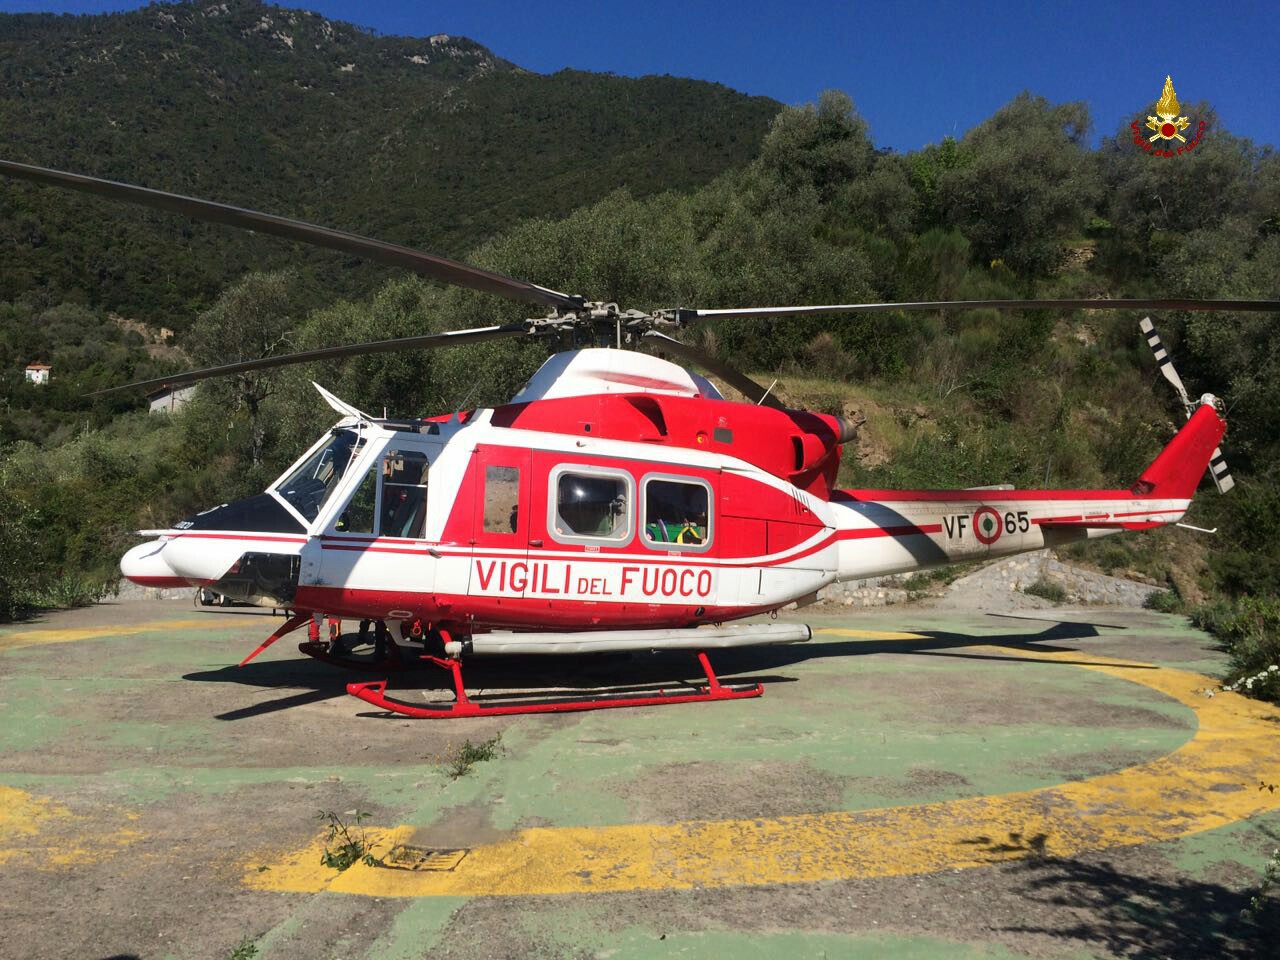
[535, 543]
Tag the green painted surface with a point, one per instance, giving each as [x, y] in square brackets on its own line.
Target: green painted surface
[635, 943]
[841, 722]
[579, 774]
[1249, 843]
[416, 930]
[392, 785]
[31, 717]
[277, 935]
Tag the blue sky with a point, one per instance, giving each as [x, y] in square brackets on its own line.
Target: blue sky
[917, 71]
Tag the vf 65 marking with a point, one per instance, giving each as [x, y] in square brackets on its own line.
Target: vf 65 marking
[987, 524]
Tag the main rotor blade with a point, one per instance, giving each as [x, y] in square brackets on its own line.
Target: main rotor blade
[753, 391]
[685, 316]
[426, 264]
[429, 341]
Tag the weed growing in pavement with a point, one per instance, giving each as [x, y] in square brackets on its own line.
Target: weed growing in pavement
[246, 951]
[346, 844]
[1047, 591]
[469, 754]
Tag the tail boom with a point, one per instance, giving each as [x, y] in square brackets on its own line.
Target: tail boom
[882, 532]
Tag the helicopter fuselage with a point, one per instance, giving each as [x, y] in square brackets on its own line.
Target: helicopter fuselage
[647, 504]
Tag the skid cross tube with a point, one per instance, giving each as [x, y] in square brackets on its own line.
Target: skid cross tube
[393, 659]
[375, 692]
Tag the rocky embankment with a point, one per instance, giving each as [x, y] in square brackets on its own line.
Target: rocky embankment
[996, 586]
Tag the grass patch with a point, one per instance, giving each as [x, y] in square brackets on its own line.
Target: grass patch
[1042, 588]
[469, 754]
[247, 950]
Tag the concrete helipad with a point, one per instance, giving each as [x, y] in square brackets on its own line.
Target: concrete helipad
[913, 783]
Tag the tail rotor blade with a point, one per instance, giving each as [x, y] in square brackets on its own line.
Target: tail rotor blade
[1219, 472]
[1163, 359]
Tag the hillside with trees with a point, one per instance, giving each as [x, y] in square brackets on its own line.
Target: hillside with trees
[1020, 206]
[432, 142]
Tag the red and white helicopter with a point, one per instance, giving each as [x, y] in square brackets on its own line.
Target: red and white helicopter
[617, 503]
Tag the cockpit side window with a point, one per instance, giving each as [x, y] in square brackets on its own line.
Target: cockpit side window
[311, 485]
[404, 494]
[360, 511]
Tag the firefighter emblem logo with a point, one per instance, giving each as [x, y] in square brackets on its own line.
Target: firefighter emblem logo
[1166, 123]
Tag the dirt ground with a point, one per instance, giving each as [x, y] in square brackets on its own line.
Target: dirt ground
[913, 783]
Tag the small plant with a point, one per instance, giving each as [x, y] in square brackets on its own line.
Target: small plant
[1270, 873]
[346, 844]
[469, 754]
[1042, 588]
[1263, 680]
[247, 950]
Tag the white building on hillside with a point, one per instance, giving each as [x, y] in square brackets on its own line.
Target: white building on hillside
[38, 373]
[170, 398]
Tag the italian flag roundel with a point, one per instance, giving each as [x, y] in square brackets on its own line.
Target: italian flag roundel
[986, 525]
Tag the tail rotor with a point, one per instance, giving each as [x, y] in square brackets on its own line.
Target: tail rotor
[1218, 471]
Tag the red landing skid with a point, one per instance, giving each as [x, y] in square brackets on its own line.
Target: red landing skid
[375, 692]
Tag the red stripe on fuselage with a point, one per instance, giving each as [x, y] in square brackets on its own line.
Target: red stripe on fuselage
[200, 535]
[693, 560]
[974, 496]
[488, 611]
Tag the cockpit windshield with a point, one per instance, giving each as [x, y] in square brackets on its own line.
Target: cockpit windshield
[310, 486]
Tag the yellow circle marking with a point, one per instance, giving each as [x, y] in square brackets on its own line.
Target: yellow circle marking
[40, 832]
[35, 638]
[1210, 781]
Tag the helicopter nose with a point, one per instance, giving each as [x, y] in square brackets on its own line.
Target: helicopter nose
[147, 566]
[202, 561]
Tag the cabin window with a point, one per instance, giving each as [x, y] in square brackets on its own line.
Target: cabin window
[590, 505]
[358, 517]
[310, 486]
[403, 511]
[677, 513]
[501, 499]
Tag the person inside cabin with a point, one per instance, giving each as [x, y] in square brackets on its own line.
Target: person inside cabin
[676, 512]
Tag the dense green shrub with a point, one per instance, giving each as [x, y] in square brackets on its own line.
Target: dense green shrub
[1249, 630]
